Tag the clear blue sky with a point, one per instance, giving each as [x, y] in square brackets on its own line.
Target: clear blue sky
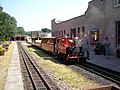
[36, 14]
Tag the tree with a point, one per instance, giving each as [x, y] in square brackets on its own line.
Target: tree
[8, 26]
[28, 33]
[45, 30]
[20, 30]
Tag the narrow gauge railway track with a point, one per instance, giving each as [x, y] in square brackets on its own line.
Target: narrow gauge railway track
[36, 78]
[101, 71]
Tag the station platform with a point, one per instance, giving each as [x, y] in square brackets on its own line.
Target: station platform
[113, 63]
[14, 76]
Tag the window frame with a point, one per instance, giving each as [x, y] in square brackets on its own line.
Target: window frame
[116, 3]
[92, 32]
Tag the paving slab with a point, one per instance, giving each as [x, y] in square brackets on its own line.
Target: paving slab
[14, 76]
[113, 63]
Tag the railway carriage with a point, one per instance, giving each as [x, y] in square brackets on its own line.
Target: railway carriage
[49, 44]
[38, 43]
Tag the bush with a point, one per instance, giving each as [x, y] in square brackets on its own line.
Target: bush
[2, 49]
[7, 42]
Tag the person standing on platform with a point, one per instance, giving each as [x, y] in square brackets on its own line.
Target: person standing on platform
[85, 46]
[80, 46]
[107, 46]
[76, 41]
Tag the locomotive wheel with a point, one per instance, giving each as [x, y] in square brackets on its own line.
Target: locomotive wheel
[71, 60]
[67, 62]
[59, 56]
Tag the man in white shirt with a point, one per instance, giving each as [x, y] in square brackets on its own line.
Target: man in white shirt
[85, 46]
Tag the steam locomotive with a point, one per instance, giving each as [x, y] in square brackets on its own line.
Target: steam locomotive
[61, 47]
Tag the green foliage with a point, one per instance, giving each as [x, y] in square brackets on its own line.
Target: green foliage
[8, 26]
[28, 33]
[46, 30]
[6, 42]
[20, 30]
[2, 49]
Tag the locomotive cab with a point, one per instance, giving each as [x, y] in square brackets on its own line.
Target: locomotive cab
[63, 44]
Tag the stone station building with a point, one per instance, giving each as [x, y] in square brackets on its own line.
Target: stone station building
[102, 18]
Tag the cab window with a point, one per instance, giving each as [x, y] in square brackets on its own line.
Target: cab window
[70, 42]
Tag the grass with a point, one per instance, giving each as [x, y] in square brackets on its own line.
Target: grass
[69, 76]
[4, 64]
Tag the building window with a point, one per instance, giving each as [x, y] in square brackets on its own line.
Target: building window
[94, 35]
[118, 32]
[116, 3]
[78, 31]
[74, 32]
[64, 32]
[52, 33]
[83, 30]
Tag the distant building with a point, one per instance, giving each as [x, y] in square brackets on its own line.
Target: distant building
[19, 38]
[36, 35]
[102, 18]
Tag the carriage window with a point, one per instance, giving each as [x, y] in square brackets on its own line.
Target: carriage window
[48, 41]
[71, 42]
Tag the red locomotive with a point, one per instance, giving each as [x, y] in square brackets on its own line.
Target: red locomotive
[62, 47]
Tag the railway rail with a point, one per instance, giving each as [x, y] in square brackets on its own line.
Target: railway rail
[101, 71]
[34, 77]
